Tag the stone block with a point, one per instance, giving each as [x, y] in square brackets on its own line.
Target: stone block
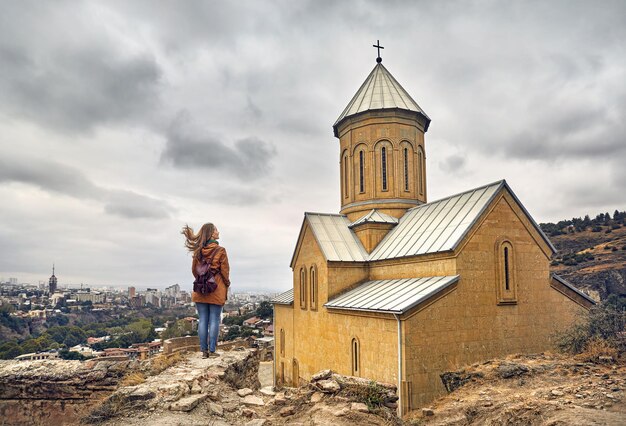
[188, 403]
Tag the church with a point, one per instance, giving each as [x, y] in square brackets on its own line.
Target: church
[399, 289]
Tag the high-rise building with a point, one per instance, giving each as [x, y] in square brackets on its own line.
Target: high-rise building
[52, 282]
[131, 292]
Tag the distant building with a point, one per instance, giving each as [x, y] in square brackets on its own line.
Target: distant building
[37, 356]
[89, 296]
[52, 282]
[172, 290]
[13, 281]
[131, 292]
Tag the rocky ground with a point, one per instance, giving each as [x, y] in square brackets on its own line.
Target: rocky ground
[532, 390]
[226, 391]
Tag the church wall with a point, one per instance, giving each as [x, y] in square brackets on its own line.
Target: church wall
[283, 319]
[423, 266]
[468, 324]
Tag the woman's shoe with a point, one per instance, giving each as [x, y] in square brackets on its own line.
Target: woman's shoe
[205, 354]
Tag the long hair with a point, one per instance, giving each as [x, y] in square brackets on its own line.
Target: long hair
[195, 242]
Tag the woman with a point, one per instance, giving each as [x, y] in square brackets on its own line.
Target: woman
[205, 247]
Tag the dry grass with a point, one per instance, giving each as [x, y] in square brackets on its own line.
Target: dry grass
[132, 379]
[163, 362]
[595, 348]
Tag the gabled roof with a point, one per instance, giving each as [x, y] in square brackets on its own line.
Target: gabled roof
[335, 238]
[374, 216]
[573, 288]
[379, 91]
[441, 225]
[285, 298]
[391, 296]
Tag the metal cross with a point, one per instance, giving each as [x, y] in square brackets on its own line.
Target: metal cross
[378, 47]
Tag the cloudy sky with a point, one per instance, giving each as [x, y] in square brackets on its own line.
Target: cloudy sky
[120, 121]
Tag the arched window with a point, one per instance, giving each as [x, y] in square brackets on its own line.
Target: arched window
[356, 356]
[346, 186]
[505, 272]
[295, 379]
[383, 167]
[406, 169]
[361, 171]
[313, 288]
[282, 342]
[303, 288]
[420, 171]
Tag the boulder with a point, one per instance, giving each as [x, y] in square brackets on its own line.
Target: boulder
[216, 409]
[267, 391]
[188, 403]
[321, 375]
[287, 411]
[360, 407]
[253, 400]
[245, 392]
[328, 386]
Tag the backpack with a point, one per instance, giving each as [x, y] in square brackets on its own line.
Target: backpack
[205, 281]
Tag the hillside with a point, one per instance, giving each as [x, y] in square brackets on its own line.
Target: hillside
[591, 253]
[542, 389]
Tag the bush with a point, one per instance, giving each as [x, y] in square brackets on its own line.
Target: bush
[604, 321]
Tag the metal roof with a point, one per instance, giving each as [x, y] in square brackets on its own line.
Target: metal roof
[374, 217]
[437, 226]
[391, 296]
[380, 90]
[571, 287]
[285, 298]
[335, 238]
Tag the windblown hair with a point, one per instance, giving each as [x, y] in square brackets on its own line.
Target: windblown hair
[195, 242]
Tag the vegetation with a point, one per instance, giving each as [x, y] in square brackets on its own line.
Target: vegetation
[603, 326]
[603, 221]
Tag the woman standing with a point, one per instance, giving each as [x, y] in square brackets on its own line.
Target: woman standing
[205, 248]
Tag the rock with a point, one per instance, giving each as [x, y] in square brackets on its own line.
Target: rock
[188, 403]
[487, 404]
[245, 392]
[214, 396]
[360, 407]
[141, 394]
[555, 392]
[230, 407]
[322, 375]
[196, 388]
[253, 400]
[257, 422]
[328, 386]
[392, 405]
[216, 409]
[267, 391]
[287, 411]
[316, 397]
[246, 412]
[509, 370]
[280, 399]
[428, 412]
[341, 412]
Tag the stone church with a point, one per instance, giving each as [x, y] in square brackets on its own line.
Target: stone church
[398, 289]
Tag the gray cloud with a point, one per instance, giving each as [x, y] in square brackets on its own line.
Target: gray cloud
[187, 146]
[71, 85]
[57, 178]
[453, 163]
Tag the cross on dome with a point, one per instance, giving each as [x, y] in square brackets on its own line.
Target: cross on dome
[378, 47]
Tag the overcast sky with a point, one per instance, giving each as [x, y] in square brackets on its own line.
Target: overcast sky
[120, 121]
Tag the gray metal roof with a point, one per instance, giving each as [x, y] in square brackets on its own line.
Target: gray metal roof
[571, 287]
[335, 238]
[285, 298]
[391, 296]
[437, 226]
[375, 216]
[380, 91]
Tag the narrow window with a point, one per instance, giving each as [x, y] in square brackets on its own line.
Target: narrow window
[313, 287]
[420, 171]
[355, 357]
[303, 288]
[406, 169]
[345, 176]
[282, 342]
[361, 171]
[383, 166]
[506, 268]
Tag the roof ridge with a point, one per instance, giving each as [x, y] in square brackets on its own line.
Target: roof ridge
[499, 182]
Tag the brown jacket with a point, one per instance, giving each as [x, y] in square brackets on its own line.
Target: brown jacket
[220, 263]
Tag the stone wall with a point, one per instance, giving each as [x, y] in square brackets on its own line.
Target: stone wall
[55, 392]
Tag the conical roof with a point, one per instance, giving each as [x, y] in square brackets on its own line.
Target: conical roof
[380, 91]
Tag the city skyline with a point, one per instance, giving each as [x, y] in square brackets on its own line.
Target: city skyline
[121, 122]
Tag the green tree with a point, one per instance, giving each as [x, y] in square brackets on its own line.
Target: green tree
[265, 310]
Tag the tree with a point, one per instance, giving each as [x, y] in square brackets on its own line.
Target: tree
[265, 310]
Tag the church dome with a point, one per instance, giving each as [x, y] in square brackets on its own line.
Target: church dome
[380, 91]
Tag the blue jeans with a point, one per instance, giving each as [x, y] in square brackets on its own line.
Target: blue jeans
[210, 317]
